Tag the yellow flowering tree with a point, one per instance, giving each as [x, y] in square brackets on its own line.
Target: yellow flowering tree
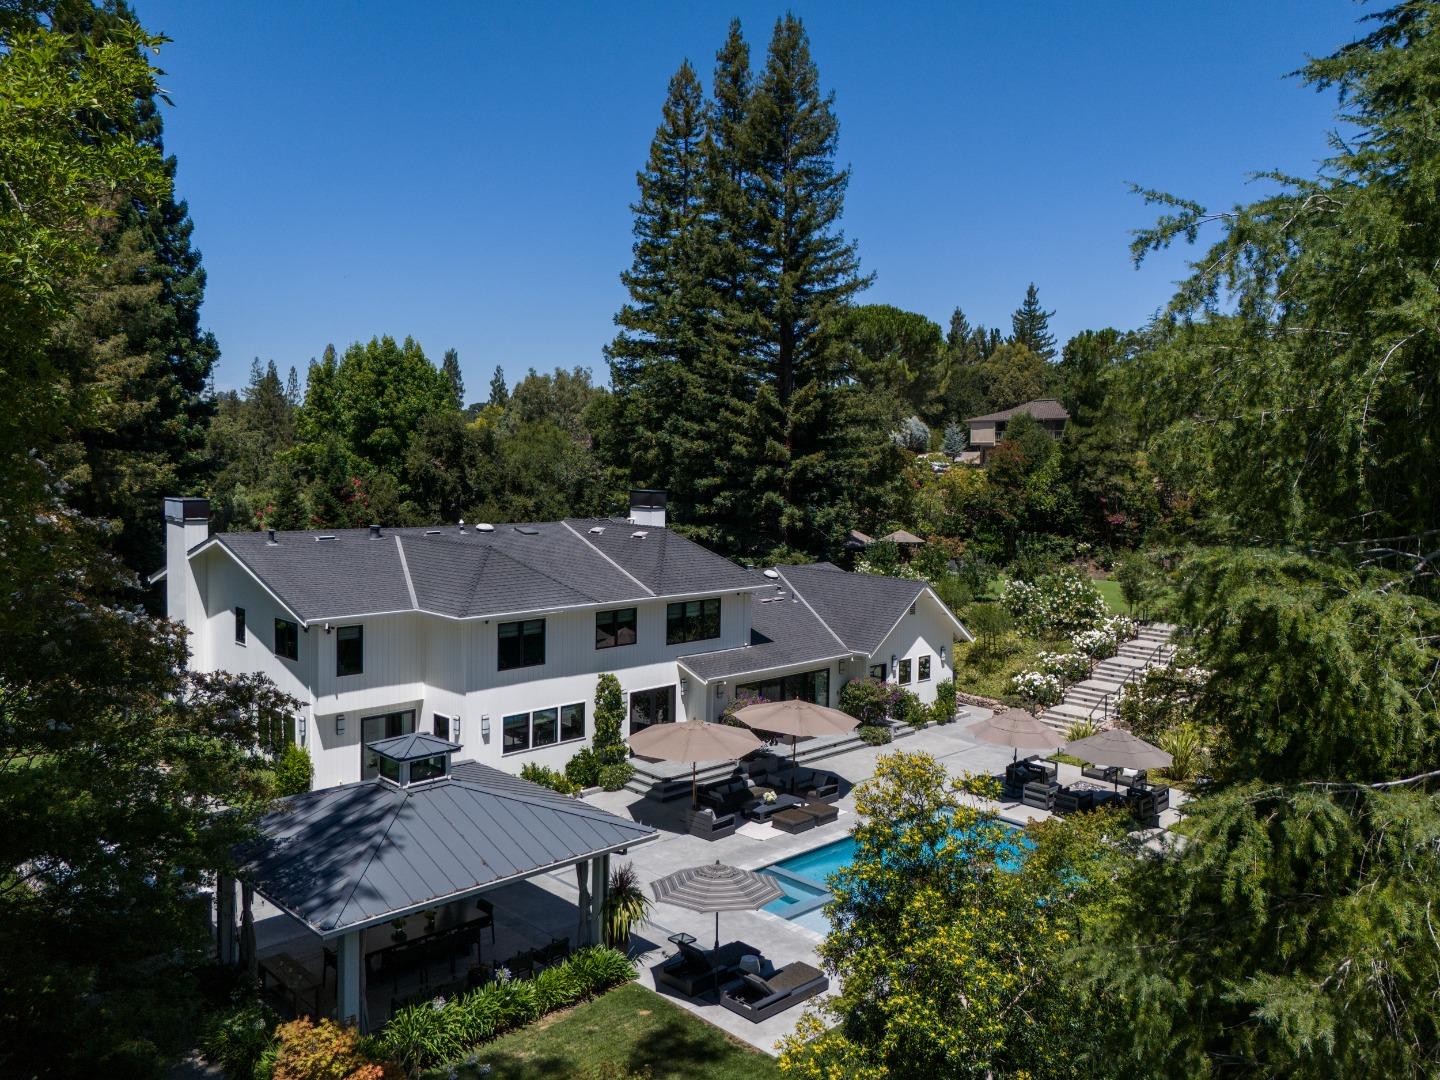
[950, 935]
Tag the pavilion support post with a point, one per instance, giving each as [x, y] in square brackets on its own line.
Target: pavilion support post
[225, 918]
[349, 987]
[249, 962]
[582, 876]
[599, 881]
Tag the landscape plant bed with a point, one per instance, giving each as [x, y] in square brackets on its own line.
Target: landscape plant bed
[630, 1031]
[988, 675]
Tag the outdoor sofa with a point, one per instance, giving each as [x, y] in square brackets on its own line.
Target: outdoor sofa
[733, 795]
[758, 998]
[693, 971]
[709, 825]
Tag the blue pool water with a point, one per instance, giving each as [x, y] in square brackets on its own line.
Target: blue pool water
[803, 877]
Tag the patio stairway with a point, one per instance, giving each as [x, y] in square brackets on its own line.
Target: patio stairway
[1095, 698]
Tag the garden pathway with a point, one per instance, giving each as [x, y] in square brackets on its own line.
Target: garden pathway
[1087, 699]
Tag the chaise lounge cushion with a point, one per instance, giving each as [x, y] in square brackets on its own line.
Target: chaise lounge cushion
[757, 998]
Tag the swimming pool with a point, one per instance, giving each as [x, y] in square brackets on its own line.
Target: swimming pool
[804, 877]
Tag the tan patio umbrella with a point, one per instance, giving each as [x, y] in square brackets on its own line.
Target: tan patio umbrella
[1017, 728]
[1119, 748]
[693, 741]
[797, 719]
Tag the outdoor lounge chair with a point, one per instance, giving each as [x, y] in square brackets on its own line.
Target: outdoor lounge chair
[709, 825]
[814, 784]
[692, 972]
[1040, 795]
[757, 998]
[1067, 801]
[1107, 774]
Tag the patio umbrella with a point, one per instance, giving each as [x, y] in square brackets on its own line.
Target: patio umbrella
[693, 741]
[1119, 748]
[1017, 728]
[717, 887]
[797, 719]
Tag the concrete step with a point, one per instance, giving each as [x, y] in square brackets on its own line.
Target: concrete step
[1069, 711]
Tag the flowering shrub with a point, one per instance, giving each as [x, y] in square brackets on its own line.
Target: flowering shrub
[1037, 687]
[1063, 602]
[871, 701]
[1161, 700]
[1097, 644]
[325, 1051]
[1068, 666]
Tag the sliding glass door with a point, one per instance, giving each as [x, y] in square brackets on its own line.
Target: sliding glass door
[648, 707]
[375, 728]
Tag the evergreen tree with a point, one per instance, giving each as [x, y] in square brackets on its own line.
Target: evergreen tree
[955, 439]
[450, 366]
[967, 347]
[1030, 326]
[499, 394]
[138, 338]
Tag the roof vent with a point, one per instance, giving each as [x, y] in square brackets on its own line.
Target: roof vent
[639, 534]
[374, 532]
[596, 530]
[432, 532]
[527, 530]
[462, 524]
[772, 574]
[326, 536]
[485, 527]
[270, 538]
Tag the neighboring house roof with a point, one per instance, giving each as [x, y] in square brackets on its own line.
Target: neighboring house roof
[856, 540]
[1040, 409]
[784, 632]
[861, 609]
[359, 854]
[471, 574]
[900, 536]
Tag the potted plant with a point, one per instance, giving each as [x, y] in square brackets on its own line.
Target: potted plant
[430, 920]
[397, 933]
[625, 905]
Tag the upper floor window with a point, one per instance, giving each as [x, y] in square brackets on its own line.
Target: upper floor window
[239, 626]
[287, 639]
[350, 650]
[522, 644]
[614, 628]
[904, 672]
[692, 620]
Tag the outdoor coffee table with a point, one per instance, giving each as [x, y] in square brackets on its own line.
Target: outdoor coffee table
[764, 811]
[793, 820]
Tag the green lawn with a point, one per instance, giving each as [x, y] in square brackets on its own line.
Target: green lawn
[1110, 590]
[618, 1035]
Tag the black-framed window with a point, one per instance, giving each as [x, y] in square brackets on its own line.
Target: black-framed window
[287, 639]
[811, 686]
[904, 672]
[516, 733]
[692, 620]
[377, 727]
[648, 707]
[614, 628]
[877, 671]
[349, 650]
[441, 726]
[239, 626]
[924, 669]
[544, 727]
[521, 644]
[572, 722]
[388, 768]
[427, 768]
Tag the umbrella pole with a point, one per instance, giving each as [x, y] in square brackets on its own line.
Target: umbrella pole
[694, 791]
[717, 931]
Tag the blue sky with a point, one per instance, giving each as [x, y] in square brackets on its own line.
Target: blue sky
[462, 172]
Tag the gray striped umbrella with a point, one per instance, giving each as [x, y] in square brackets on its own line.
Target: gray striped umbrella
[717, 887]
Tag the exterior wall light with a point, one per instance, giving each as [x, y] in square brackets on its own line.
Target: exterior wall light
[485, 727]
[340, 724]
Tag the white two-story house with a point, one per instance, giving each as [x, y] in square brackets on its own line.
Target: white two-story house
[494, 636]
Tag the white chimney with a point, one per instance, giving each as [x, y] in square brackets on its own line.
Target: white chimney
[647, 507]
[187, 523]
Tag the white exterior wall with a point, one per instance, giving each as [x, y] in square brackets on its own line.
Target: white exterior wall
[709, 700]
[437, 665]
[928, 632]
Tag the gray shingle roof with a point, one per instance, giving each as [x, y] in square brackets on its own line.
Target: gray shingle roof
[472, 574]
[361, 853]
[784, 632]
[1041, 409]
[860, 608]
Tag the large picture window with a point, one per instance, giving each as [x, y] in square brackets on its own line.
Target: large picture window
[287, 639]
[543, 727]
[803, 686]
[522, 644]
[350, 650]
[692, 620]
[613, 628]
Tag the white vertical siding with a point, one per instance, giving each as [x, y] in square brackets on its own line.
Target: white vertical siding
[928, 632]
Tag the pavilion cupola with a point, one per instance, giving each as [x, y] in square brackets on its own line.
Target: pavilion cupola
[417, 758]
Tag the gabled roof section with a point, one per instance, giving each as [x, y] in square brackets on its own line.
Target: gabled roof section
[349, 573]
[861, 609]
[784, 632]
[1040, 409]
[357, 855]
